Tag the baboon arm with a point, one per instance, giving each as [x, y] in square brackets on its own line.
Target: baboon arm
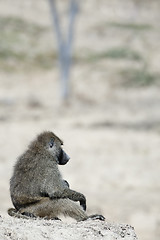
[71, 194]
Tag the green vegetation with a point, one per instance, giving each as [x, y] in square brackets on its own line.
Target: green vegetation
[138, 78]
[131, 26]
[15, 24]
[122, 53]
[114, 53]
[21, 45]
[128, 26]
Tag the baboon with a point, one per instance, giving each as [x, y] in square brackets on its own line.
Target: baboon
[37, 188]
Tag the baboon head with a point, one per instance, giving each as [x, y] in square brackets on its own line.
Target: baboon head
[53, 145]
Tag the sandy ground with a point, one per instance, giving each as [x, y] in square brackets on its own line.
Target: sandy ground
[43, 229]
[111, 133]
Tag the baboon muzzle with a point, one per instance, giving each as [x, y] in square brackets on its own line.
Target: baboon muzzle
[63, 158]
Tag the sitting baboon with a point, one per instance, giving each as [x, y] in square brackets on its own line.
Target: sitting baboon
[37, 188]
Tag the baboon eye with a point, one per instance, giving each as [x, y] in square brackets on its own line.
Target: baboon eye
[51, 143]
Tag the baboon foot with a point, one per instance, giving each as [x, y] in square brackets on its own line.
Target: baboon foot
[97, 217]
[28, 214]
[52, 218]
[56, 218]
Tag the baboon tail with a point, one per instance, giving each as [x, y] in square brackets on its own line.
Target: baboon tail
[12, 212]
[15, 213]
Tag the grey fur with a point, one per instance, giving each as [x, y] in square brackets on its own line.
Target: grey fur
[37, 188]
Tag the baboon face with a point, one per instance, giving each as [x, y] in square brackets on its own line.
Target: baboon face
[54, 145]
[55, 148]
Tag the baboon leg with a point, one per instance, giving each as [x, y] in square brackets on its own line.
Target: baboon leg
[72, 209]
[96, 217]
[28, 215]
[51, 209]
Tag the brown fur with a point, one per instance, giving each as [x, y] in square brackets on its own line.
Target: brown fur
[37, 188]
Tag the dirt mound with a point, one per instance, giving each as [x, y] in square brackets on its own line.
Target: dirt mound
[20, 229]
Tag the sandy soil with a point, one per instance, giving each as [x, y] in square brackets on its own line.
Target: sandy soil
[44, 229]
[111, 133]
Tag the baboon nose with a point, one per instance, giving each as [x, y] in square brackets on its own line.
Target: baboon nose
[64, 158]
[67, 157]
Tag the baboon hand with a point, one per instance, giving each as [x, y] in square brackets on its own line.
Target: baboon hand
[83, 202]
[66, 183]
[77, 196]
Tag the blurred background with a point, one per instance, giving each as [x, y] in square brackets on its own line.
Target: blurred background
[110, 122]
